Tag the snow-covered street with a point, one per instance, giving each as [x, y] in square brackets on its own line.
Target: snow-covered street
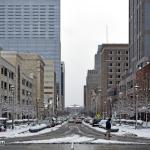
[23, 131]
[75, 139]
[126, 130]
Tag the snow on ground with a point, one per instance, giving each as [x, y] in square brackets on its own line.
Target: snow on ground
[74, 139]
[23, 131]
[126, 130]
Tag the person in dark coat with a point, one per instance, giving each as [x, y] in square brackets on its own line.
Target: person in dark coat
[108, 128]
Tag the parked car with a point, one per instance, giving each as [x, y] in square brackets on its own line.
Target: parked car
[3, 124]
[95, 122]
[102, 124]
[38, 128]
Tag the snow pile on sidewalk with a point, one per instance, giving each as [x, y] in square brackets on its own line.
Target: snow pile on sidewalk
[74, 139]
[23, 131]
[126, 130]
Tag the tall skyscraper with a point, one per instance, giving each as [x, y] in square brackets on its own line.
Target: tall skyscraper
[139, 33]
[32, 26]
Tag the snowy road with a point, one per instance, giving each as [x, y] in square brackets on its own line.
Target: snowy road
[79, 134]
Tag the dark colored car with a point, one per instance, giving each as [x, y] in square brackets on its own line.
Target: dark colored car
[95, 122]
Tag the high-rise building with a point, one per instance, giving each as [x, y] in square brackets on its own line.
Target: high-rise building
[91, 85]
[139, 33]
[114, 62]
[32, 26]
[49, 86]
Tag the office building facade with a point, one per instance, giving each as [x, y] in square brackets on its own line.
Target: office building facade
[32, 26]
[139, 33]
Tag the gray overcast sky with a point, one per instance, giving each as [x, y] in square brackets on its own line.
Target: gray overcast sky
[83, 28]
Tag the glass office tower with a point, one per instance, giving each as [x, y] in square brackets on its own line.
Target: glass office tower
[32, 26]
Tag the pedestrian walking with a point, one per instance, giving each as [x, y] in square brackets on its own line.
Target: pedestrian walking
[108, 128]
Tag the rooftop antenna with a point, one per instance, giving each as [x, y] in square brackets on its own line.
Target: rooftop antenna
[106, 33]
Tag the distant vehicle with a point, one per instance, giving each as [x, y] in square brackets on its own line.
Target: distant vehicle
[78, 121]
[102, 124]
[71, 120]
[95, 122]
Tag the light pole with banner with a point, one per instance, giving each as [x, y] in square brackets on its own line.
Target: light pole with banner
[136, 87]
[12, 89]
[120, 102]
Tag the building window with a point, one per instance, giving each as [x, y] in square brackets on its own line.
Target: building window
[2, 70]
[126, 58]
[23, 92]
[118, 76]
[2, 84]
[118, 64]
[110, 64]
[23, 81]
[110, 58]
[110, 76]
[110, 82]
[27, 83]
[126, 52]
[118, 58]
[5, 71]
[118, 70]
[118, 52]
[110, 70]
[110, 52]
[5, 85]
[126, 64]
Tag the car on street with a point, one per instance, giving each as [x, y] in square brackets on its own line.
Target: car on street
[78, 121]
[95, 122]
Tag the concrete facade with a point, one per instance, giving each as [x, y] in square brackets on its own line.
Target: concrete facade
[7, 79]
[91, 85]
[23, 106]
[139, 33]
[32, 26]
[33, 64]
[49, 86]
[114, 62]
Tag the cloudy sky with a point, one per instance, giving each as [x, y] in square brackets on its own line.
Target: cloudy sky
[83, 28]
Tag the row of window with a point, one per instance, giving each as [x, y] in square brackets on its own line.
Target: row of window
[25, 92]
[27, 37]
[117, 64]
[118, 52]
[7, 73]
[9, 100]
[115, 70]
[5, 86]
[111, 76]
[6, 99]
[118, 58]
[111, 82]
[26, 83]
[10, 6]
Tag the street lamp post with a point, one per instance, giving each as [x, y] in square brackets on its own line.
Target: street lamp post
[28, 94]
[111, 111]
[99, 93]
[136, 101]
[120, 96]
[12, 88]
[104, 105]
[147, 92]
